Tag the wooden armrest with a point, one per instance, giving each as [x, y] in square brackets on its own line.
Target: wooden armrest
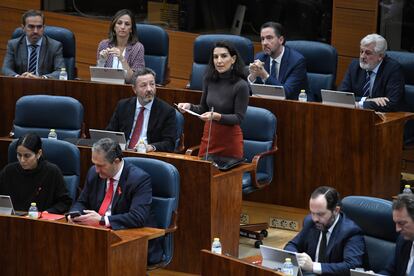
[192, 150]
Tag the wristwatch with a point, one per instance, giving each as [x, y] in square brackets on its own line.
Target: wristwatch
[102, 221]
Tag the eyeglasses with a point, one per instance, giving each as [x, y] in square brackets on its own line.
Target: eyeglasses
[32, 27]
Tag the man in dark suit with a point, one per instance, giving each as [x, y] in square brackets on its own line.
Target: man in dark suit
[116, 194]
[157, 128]
[403, 215]
[329, 243]
[376, 80]
[33, 55]
[278, 64]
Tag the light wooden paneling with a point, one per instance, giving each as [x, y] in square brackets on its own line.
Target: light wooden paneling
[368, 5]
[21, 4]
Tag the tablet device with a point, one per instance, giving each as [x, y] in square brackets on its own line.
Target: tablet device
[338, 98]
[268, 91]
[119, 137]
[274, 258]
[107, 75]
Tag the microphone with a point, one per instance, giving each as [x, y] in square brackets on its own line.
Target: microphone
[209, 133]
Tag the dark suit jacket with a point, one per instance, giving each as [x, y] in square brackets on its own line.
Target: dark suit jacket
[161, 125]
[389, 83]
[345, 250]
[50, 58]
[398, 264]
[130, 206]
[292, 72]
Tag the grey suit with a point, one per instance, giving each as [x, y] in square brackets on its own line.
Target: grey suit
[50, 58]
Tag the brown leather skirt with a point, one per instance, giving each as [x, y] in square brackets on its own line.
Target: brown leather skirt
[225, 140]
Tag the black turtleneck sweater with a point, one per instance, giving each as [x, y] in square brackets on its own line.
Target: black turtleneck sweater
[229, 99]
[43, 185]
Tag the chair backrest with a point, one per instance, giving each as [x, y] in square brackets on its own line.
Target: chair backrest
[321, 61]
[179, 138]
[374, 216]
[156, 44]
[67, 38]
[406, 59]
[203, 46]
[259, 132]
[40, 113]
[165, 181]
[64, 155]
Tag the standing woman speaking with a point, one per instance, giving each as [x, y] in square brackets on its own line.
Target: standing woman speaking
[225, 89]
[122, 49]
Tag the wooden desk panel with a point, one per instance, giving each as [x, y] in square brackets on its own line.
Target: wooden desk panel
[38, 247]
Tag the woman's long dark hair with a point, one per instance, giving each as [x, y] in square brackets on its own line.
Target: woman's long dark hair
[133, 36]
[31, 141]
[237, 69]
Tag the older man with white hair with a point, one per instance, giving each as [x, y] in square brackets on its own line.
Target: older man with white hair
[376, 80]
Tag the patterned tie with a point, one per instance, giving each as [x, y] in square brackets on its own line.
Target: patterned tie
[367, 84]
[322, 248]
[137, 129]
[33, 59]
[108, 198]
[273, 70]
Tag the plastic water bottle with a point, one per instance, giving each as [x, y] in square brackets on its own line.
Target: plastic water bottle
[33, 212]
[141, 148]
[407, 189]
[52, 134]
[63, 75]
[287, 267]
[302, 96]
[216, 246]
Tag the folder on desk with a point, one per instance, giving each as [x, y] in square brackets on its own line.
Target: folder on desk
[224, 163]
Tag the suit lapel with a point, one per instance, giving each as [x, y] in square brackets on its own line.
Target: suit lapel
[101, 192]
[120, 188]
[130, 113]
[284, 63]
[313, 242]
[377, 79]
[42, 56]
[152, 119]
[23, 54]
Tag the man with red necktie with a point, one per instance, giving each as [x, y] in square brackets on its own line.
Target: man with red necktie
[116, 194]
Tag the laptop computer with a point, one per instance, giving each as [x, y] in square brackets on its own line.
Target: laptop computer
[107, 75]
[6, 205]
[338, 98]
[119, 137]
[357, 272]
[274, 258]
[268, 91]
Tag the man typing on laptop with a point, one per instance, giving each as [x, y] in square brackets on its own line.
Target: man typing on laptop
[145, 117]
[329, 243]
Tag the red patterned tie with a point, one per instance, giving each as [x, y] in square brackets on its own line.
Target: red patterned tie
[108, 198]
[137, 129]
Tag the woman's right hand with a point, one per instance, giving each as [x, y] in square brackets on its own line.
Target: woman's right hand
[104, 53]
[183, 106]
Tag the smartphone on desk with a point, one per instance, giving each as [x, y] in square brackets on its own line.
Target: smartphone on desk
[73, 214]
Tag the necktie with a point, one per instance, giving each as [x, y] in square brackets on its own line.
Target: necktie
[108, 198]
[273, 70]
[137, 129]
[33, 59]
[367, 84]
[322, 248]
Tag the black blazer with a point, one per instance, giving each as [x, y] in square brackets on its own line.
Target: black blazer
[399, 262]
[161, 125]
[389, 83]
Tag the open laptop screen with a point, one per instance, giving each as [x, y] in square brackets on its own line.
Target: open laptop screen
[107, 75]
[274, 258]
[268, 91]
[6, 205]
[119, 137]
[338, 98]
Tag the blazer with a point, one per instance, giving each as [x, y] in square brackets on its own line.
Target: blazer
[161, 125]
[398, 264]
[130, 206]
[389, 82]
[345, 250]
[50, 57]
[292, 72]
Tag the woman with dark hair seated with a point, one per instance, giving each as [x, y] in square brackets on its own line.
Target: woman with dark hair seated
[226, 90]
[33, 179]
[122, 49]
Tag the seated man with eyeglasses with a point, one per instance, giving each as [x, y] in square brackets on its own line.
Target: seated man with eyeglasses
[33, 55]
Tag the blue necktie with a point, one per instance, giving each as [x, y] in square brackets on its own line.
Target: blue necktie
[367, 84]
[33, 59]
[273, 70]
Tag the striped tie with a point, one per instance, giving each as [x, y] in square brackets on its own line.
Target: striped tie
[367, 84]
[33, 58]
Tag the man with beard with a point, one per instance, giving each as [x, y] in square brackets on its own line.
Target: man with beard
[33, 55]
[145, 117]
[376, 80]
[329, 243]
[403, 215]
[278, 64]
